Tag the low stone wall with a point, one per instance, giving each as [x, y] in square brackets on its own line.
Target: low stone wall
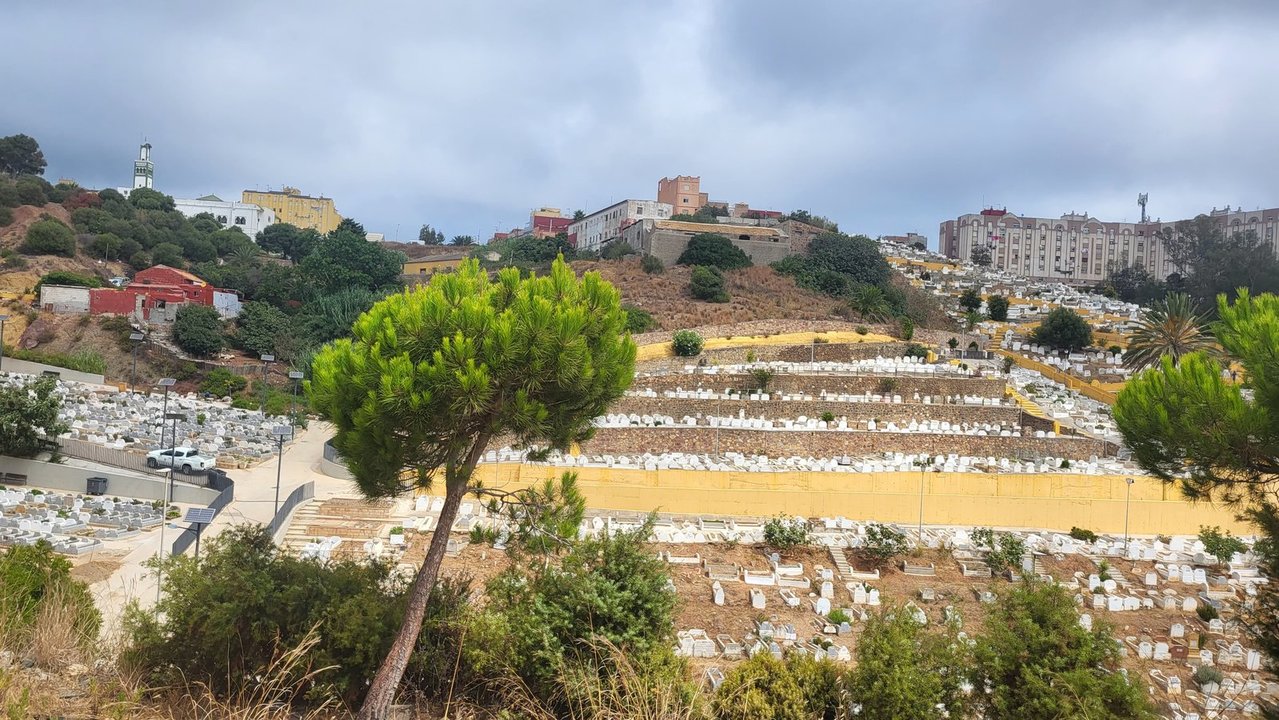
[831, 443]
[904, 385]
[68, 478]
[774, 409]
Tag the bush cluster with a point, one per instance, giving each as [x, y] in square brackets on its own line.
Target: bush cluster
[686, 343]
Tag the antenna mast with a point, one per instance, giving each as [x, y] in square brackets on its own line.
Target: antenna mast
[1141, 200]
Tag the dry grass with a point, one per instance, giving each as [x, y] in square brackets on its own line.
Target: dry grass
[758, 293]
[279, 685]
[56, 640]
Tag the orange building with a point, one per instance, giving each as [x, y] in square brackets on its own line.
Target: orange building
[684, 193]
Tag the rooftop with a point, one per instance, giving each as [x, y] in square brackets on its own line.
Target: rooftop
[722, 229]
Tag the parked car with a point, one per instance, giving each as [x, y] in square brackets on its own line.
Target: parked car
[186, 459]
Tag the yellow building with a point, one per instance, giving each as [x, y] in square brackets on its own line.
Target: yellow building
[291, 206]
[429, 265]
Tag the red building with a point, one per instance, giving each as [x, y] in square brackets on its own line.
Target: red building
[544, 226]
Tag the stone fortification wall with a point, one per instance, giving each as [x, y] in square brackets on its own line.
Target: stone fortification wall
[904, 385]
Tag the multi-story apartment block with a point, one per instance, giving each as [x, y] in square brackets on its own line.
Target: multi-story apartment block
[291, 206]
[1078, 248]
[604, 226]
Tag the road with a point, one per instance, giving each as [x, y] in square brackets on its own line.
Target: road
[255, 492]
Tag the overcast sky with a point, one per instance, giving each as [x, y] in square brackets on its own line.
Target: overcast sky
[886, 116]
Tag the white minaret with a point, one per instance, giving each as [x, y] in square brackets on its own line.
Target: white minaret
[143, 168]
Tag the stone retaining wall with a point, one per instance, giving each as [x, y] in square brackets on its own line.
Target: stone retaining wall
[904, 385]
[830, 443]
[773, 409]
[804, 352]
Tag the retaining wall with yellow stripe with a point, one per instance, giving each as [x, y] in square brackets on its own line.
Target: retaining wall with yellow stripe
[1049, 501]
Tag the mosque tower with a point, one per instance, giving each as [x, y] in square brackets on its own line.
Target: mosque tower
[143, 168]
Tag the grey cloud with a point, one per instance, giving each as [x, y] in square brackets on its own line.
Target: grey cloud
[887, 116]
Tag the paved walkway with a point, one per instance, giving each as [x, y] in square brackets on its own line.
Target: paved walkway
[254, 503]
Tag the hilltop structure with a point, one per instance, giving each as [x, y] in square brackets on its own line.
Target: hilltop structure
[291, 206]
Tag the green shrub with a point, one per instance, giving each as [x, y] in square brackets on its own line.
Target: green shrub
[1208, 675]
[611, 588]
[1063, 329]
[713, 250]
[1079, 533]
[952, 343]
[638, 320]
[197, 329]
[652, 265]
[761, 377]
[908, 329]
[784, 533]
[49, 237]
[762, 687]
[886, 385]
[220, 621]
[915, 350]
[617, 250]
[883, 543]
[86, 361]
[66, 277]
[686, 343]
[221, 382]
[31, 576]
[6, 216]
[707, 283]
[997, 307]
[838, 616]
[1221, 545]
[861, 330]
[1207, 612]
[828, 417]
[1008, 365]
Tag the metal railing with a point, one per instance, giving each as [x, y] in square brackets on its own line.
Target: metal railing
[300, 494]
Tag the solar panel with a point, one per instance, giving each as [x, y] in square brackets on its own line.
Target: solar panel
[201, 516]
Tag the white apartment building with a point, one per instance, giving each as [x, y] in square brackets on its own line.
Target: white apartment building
[603, 226]
[1076, 247]
[251, 219]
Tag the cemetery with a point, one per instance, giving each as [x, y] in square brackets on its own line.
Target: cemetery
[739, 598]
[73, 524]
[133, 423]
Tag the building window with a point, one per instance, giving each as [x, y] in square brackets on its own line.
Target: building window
[239, 220]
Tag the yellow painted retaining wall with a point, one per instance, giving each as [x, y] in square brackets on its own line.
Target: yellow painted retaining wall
[662, 350]
[1093, 391]
[968, 499]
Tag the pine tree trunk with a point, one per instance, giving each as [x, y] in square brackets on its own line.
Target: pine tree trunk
[377, 704]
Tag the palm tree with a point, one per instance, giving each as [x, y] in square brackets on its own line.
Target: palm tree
[1173, 327]
[870, 303]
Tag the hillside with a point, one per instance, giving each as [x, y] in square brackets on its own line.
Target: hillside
[758, 293]
[21, 277]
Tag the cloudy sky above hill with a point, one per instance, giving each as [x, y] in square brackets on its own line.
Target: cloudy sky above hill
[888, 117]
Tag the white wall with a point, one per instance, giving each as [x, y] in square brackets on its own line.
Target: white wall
[250, 218]
[227, 304]
[64, 298]
[604, 225]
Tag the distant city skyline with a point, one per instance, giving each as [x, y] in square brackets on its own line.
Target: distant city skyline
[886, 118]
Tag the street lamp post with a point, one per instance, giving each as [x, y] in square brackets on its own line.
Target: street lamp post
[137, 339]
[295, 376]
[1127, 503]
[267, 359]
[165, 383]
[280, 431]
[3, 318]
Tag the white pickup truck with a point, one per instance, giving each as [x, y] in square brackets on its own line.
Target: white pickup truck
[185, 459]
